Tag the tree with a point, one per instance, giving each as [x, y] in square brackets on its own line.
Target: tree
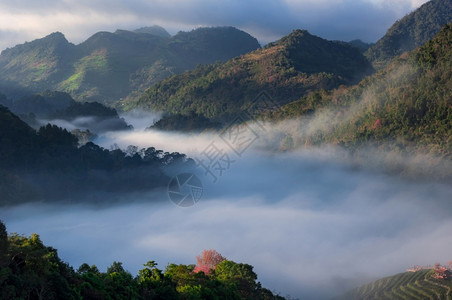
[116, 267]
[153, 284]
[207, 261]
[240, 275]
[3, 238]
[150, 272]
[84, 268]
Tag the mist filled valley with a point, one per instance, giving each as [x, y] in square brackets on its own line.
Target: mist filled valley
[292, 215]
[228, 162]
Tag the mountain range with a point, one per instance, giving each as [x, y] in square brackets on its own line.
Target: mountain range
[110, 66]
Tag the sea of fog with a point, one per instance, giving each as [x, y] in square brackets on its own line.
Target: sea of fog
[311, 224]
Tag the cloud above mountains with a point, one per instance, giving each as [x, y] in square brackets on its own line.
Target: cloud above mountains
[268, 20]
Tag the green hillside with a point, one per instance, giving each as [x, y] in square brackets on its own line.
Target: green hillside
[38, 63]
[295, 65]
[412, 31]
[110, 66]
[409, 285]
[408, 106]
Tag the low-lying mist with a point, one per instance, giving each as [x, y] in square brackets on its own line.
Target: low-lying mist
[311, 222]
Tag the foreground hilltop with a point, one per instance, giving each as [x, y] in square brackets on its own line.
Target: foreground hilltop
[31, 270]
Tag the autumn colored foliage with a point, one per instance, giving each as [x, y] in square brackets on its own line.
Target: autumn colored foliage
[207, 261]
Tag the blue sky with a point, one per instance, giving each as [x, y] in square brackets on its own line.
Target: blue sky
[268, 20]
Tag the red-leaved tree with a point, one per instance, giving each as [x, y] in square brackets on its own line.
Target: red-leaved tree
[208, 260]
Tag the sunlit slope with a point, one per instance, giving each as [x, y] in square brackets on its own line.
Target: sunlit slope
[288, 69]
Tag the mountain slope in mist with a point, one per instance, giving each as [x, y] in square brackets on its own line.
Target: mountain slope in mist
[58, 107]
[410, 32]
[110, 66]
[407, 106]
[288, 69]
[49, 165]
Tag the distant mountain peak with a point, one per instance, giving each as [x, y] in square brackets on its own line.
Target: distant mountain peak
[55, 38]
[312, 54]
[154, 30]
[295, 37]
[56, 35]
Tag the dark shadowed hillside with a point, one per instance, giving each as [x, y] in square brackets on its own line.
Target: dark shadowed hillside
[50, 105]
[49, 165]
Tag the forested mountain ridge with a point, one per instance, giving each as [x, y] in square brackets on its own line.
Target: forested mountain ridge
[410, 32]
[110, 66]
[408, 105]
[287, 69]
